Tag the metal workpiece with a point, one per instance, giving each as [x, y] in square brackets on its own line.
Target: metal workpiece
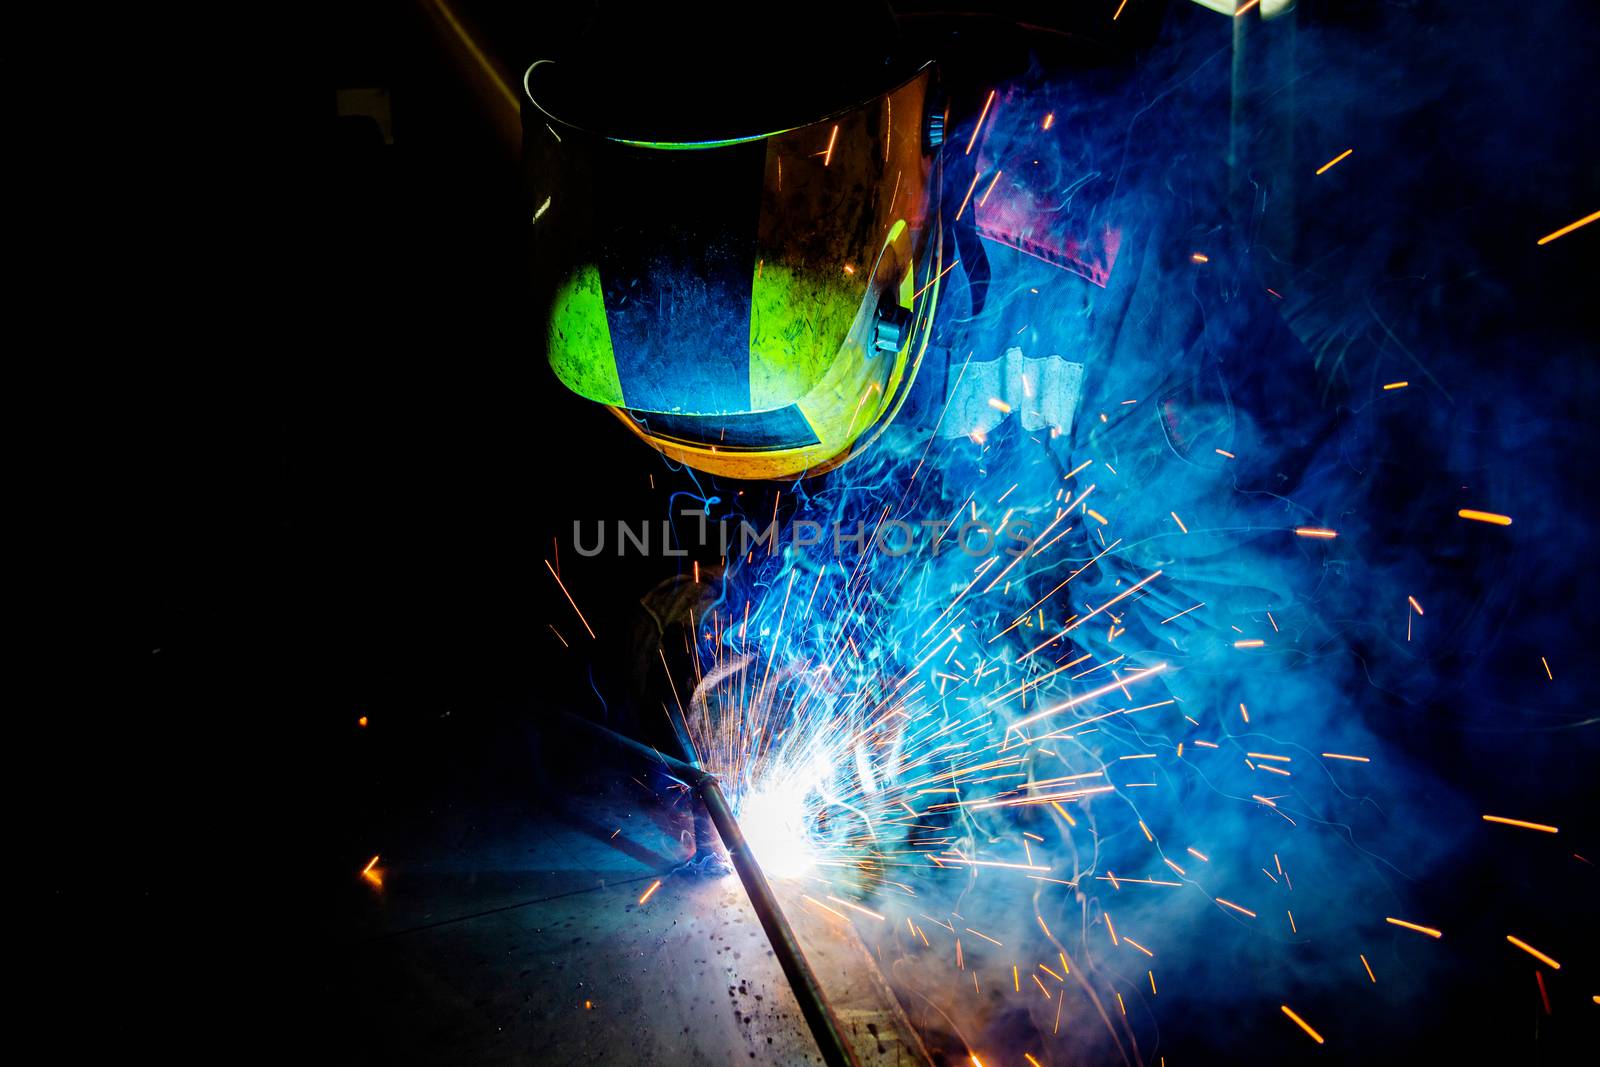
[836, 1051]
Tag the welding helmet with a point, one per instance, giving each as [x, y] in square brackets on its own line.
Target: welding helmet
[736, 250]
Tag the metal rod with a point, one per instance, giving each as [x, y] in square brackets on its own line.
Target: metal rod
[690, 773]
[836, 1051]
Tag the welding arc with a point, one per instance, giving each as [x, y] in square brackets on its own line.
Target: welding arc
[836, 1052]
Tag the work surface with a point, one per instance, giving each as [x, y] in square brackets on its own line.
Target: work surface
[506, 933]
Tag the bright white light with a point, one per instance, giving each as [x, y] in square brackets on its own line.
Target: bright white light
[774, 824]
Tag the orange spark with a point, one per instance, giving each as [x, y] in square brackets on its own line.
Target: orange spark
[984, 199]
[968, 197]
[1395, 385]
[1535, 953]
[855, 907]
[1324, 168]
[1485, 516]
[832, 137]
[1368, 966]
[1185, 611]
[979, 126]
[1547, 238]
[361, 721]
[1519, 822]
[1302, 1024]
[1337, 755]
[1430, 931]
[568, 595]
[831, 911]
[1314, 531]
[651, 891]
[941, 274]
[1100, 692]
[941, 860]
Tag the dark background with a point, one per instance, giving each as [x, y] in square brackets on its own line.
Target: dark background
[325, 468]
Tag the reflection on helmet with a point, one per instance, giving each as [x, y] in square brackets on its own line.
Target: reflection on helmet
[754, 306]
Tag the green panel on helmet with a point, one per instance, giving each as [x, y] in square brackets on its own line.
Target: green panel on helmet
[580, 339]
[798, 319]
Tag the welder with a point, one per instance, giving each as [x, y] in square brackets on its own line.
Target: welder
[764, 255]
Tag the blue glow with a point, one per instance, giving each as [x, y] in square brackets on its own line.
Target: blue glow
[1178, 758]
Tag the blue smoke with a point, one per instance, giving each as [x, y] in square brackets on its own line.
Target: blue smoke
[1234, 414]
